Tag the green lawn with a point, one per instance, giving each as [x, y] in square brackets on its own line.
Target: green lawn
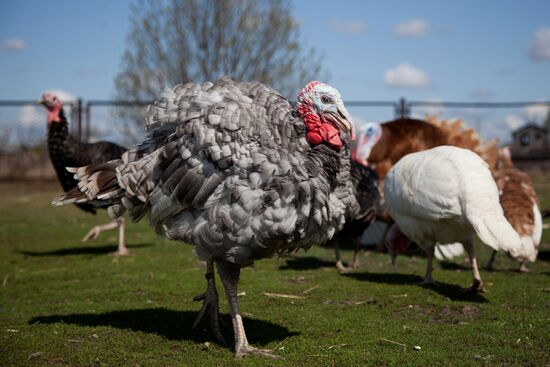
[69, 303]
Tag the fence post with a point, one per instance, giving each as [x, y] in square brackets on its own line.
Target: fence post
[79, 118]
[402, 109]
[88, 119]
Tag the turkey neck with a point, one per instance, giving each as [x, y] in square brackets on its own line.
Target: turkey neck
[58, 147]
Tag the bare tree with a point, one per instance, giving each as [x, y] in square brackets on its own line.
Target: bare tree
[176, 41]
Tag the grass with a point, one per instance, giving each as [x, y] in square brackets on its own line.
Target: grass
[63, 302]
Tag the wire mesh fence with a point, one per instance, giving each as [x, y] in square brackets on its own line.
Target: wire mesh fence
[24, 122]
[23, 127]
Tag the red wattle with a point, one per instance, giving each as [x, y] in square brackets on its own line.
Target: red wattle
[53, 115]
[319, 132]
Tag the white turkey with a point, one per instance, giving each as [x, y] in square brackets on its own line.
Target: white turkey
[447, 194]
[237, 171]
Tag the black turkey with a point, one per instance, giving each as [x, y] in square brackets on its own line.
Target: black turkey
[66, 151]
[365, 187]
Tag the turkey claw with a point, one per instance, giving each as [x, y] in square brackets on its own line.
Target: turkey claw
[93, 234]
[210, 307]
[247, 350]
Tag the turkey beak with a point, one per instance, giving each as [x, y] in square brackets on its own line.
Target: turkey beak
[344, 121]
[43, 100]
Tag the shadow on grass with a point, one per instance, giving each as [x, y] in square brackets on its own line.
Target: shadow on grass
[447, 265]
[172, 325]
[306, 263]
[451, 291]
[544, 255]
[87, 250]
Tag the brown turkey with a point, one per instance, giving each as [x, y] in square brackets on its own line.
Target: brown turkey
[237, 171]
[521, 205]
[66, 151]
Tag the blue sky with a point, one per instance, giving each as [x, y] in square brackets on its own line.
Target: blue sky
[423, 50]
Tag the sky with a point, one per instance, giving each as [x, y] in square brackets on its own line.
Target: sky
[432, 50]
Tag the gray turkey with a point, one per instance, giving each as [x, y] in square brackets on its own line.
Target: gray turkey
[66, 151]
[237, 171]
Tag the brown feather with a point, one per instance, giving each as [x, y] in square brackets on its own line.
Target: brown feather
[517, 194]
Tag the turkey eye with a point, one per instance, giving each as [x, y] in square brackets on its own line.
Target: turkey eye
[326, 99]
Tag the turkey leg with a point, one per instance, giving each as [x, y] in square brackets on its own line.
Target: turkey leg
[342, 269]
[357, 243]
[94, 233]
[210, 304]
[477, 284]
[229, 274]
[428, 278]
[489, 265]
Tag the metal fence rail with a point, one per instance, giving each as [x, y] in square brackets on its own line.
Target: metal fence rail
[81, 113]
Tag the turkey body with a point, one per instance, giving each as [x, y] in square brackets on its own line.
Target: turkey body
[234, 169]
[66, 151]
[447, 194]
[234, 176]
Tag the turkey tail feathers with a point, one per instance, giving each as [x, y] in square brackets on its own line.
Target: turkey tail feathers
[97, 184]
[483, 210]
[497, 233]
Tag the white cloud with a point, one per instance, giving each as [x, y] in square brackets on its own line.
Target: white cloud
[63, 95]
[14, 44]
[405, 75]
[351, 27]
[411, 28]
[514, 121]
[536, 112]
[540, 45]
[31, 116]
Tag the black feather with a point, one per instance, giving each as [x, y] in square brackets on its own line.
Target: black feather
[66, 151]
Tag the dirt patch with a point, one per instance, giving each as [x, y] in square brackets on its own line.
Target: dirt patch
[449, 314]
[455, 314]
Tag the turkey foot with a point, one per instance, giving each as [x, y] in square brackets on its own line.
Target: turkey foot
[342, 269]
[247, 350]
[523, 268]
[210, 305]
[476, 287]
[477, 284]
[94, 233]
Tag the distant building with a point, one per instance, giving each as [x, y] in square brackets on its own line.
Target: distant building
[531, 142]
